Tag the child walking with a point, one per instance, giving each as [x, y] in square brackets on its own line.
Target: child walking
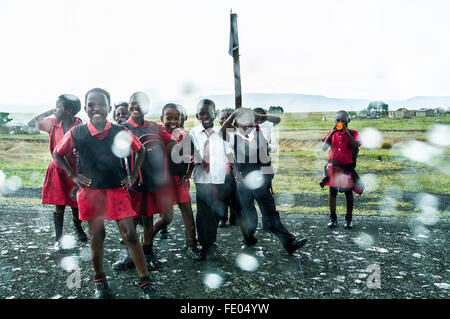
[252, 157]
[173, 117]
[58, 186]
[103, 182]
[152, 194]
[210, 153]
[339, 173]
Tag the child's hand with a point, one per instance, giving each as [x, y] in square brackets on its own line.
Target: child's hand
[81, 181]
[127, 182]
[185, 178]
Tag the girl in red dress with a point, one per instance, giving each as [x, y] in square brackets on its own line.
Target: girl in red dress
[340, 174]
[104, 185]
[173, 117]
[58, 187]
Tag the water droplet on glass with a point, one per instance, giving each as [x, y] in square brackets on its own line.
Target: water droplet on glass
[247, 262]
[419, 151]
[370, 182]
[364, 241]
[439, 135]
[68, 241]
[13, 183]
[69, 263]
[371, 138]
[254, 180]
[122, 144]
[213, 280]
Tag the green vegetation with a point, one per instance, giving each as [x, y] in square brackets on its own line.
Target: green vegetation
[300, 163]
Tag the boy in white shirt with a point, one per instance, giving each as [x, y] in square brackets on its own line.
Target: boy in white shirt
[210, 152]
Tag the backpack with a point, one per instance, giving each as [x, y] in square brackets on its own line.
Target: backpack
[154, 173]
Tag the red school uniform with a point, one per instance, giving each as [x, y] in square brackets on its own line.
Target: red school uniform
[149, 203]
[100, 203]
[58, 187]
[339, 171]
[181, 191]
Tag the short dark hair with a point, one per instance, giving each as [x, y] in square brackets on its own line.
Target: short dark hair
[143, 98]
[169, 106]
[97, 90]
[206, 102]
[121, 104]
[345, 113]
[259, 110]
[71, 102]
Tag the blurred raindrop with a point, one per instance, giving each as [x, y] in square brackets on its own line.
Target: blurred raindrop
[429, 216]
[254, 180]
[68, 241]
[370, 182]
[285, 199]
[425, 200]
[387, 205]
[213, 280]
[371, 138]
[85, 254]
[69, 263]
[122, 144]
[247, 262]
[364, 240]
[13, 183]
[420, 151]
[2, 178]
[439, 135]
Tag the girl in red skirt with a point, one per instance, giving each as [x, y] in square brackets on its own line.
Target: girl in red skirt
[340, 174]
[58, 187]
[104, 185]
[173, 117]
[152, 193]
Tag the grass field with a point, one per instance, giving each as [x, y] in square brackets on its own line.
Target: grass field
[300, 163]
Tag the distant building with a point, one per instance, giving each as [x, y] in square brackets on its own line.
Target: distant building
[401, 113]
[439, 111]
[424, 112]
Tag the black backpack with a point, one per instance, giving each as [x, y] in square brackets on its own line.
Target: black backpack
[154, 172]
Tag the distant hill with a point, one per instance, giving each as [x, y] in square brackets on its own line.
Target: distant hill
[317, 103]
[289, 102]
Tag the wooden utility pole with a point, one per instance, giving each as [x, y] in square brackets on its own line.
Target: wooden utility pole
[234, 52]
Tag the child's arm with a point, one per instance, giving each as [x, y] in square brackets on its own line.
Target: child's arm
[80, 180]
[34, 121]
[188, 174]
[127, 183]
[271, 118]
[326, 144]
[354, 143]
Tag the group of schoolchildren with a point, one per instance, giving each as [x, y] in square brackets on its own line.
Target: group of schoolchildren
[86, 174]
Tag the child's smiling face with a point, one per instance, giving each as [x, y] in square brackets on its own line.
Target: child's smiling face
[205, 116]
[97, 107]
[171, 119]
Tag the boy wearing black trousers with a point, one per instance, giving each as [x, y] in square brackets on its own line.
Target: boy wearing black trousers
[255, 180]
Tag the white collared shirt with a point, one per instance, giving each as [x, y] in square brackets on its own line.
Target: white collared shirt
[218, 149]
[267, 129]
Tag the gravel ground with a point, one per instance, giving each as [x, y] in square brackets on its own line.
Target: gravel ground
[382, 257]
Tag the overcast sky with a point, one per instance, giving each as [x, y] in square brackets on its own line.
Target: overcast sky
[179, 49]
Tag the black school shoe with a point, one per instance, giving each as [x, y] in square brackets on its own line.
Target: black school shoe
[332, 223]
[80, 233]
[296, 244]
[348, 224]
[150, 292]
[222, 224]
[164, 233]
[124, 264]
[102, 291]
